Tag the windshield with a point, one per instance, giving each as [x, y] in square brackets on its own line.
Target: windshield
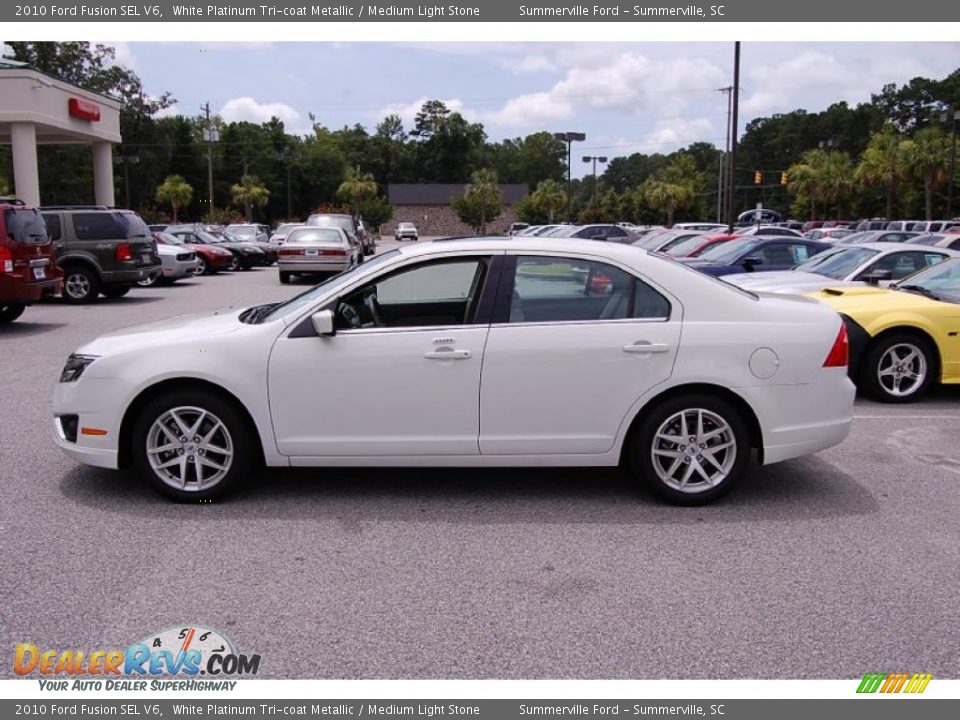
[653, 239]
[243, 230]
[299, 301]
[941, 282]
[340, 221]
[171, 239]
[312, 235]
[209, 238]
[26, 226]
[839, 263]
[930, 239]
[286, 228]
[685, 246]
[564, 231]
[406, 225]
[728, 251]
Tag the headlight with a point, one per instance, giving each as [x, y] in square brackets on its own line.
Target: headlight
[75, 366]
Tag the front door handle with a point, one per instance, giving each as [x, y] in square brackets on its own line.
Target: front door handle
[447, 354]
[646, 348]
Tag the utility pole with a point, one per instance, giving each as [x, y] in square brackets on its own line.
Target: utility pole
[732, 136]
[721, 171]
[569, 138]
[594, 159]
[211, 136]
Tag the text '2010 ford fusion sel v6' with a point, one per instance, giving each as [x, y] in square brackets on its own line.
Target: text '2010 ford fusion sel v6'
[487, 352]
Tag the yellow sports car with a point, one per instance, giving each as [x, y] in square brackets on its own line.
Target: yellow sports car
[904, 337]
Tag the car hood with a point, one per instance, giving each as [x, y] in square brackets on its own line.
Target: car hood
[242, 246]
[201, 247]
[785, 281]
[852, 300]
[184, 328]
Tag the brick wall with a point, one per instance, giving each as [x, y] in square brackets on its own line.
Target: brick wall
[442, 220]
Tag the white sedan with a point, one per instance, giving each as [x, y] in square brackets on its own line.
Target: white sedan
[879, 263]
[493, 352]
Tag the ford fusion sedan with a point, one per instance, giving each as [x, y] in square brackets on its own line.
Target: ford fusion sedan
[316, 250]
[496, 352]
[903, 339]
[755, 254]
[874, 263]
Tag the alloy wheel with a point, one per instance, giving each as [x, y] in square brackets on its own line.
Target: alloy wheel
[694, 450]
[77, 286]
[189, 448]
[902, 369]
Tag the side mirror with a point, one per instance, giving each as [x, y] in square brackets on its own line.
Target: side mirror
[751, 262]
[877, 276]
[323, 322]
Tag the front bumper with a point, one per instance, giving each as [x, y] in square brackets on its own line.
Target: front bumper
[176, 269]
[89, 399]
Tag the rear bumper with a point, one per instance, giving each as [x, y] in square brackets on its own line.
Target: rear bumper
[15, 292]
[798, 420]
[313, 265]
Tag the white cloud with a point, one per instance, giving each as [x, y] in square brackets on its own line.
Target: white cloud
[531, 64]
[246, 109]
[408, 111]
[124, 56]
[672, 134]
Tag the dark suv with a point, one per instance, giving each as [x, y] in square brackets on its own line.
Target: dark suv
[100, 250]
[28, 270]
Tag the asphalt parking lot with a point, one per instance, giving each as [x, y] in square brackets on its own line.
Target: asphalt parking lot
[825, 567]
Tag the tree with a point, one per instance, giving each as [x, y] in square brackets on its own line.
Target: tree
[480, 202]
[355, 188]
[674, 187]
[883, 163]
[549, 198]
[802, 183]
[249, 193]
[926, 155]
[432, 113]
[375, 211]
[837, 180]
[175, 192]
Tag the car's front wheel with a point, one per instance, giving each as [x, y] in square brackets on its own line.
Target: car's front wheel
[898, 368]
[234, 263]
[192, 445]
[691, 449]
[202, 267]
[9, 313]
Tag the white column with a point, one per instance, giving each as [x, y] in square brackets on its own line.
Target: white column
[26, 179]
[103, 173]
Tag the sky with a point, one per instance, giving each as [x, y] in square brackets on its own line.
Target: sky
[627, 97]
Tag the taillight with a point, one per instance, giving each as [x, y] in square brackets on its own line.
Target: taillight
[291, 251]
[124, 252]
[6, 260]
[339, 253]
[839, 355]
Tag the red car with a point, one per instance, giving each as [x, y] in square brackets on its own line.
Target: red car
[212, 259]
[694, 246]
[28, 268]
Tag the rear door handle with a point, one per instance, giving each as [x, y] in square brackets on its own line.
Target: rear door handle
[646, 347]
[447, 354]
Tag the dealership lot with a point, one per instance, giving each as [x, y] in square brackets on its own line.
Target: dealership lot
[828, 566]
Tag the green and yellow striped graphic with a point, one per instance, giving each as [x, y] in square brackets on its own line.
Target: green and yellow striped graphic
[894, 682]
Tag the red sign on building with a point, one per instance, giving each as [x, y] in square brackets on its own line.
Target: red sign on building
[85, 109]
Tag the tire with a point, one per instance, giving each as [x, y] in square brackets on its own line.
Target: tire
[117, 291]
[224, 427]
[285, 277]
[202, 267]
[913, 354]
[246, 265]
[678, 471]
[9, 313]
[81, 284]
[234, 263]
[149, 281]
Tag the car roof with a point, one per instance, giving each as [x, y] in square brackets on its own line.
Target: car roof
[890, 246]
[525, 244]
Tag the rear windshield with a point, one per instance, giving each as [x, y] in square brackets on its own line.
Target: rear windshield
[25, 226]
[311, 235]
[109, 226]
[341, 221]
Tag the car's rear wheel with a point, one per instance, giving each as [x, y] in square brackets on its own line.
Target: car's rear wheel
[192, 445]
[691, 449]
[117, 291]
[9, 313]
[234, 263]
[80, 284]
[285, 277]
[202, 267]
[151, 280]
[898, 368]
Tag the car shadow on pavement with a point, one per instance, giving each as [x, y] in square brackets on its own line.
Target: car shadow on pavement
[25, 329]
[804, 489]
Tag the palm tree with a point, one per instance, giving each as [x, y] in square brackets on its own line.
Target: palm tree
[667, 196]
[549, 197]
[836, 180]
[484, 193]
[805, 178]
[356, 187]
[176, 192]
[249, 193]
[884, 162]
[926, 155]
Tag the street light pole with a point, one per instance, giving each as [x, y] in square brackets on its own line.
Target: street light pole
[595, 159]
[211, 135]
[944, 118]
[569, 138]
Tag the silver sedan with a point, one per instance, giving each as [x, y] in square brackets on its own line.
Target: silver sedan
[316, 250]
